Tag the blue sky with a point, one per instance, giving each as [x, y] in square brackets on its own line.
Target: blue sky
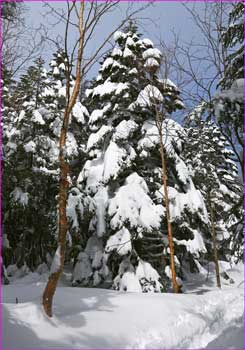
[156, 21]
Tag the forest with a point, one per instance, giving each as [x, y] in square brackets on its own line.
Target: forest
[122, 175]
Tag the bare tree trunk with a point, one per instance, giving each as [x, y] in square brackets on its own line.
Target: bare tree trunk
[170, 235]
[64, 184]
[86, 26]
[216, 260]
[64, 169]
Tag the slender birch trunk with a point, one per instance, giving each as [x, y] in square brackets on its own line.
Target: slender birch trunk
[64, 170]
[176, 287]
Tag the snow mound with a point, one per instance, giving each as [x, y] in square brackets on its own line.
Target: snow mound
[122, 320]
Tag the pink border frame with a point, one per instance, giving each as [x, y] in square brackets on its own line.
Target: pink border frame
[1, 331]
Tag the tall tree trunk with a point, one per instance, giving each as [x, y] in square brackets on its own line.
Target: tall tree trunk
[216, 259]
[55, 275]
[170, 235]
[64, 169]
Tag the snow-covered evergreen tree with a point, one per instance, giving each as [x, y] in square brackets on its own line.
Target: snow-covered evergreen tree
[233, 38]
[128, 229]
[229, 110]
[229, 102]
[32, 150]
[7, 116]
[215, 174]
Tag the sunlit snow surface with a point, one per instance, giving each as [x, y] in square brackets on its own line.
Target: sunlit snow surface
[203, 317]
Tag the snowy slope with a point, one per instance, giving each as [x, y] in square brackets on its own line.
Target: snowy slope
[98, 318]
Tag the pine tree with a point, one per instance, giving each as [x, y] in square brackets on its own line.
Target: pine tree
[8, 114]
[31, 150]
[215, 174]
[128, 240]
[229, 110]
[229, 103]
[233, 38]
[24, 152]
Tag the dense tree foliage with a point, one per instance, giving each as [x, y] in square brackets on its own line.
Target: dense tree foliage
[117, 227]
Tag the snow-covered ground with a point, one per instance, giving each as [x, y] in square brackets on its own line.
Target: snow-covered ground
[202, 317]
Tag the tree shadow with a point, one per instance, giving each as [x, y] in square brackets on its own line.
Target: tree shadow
[17, 335]
[68, 301]
[232, 338]
[199, 286]
[70, 313]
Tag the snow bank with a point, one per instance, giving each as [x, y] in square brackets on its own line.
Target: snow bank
[98, 318]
